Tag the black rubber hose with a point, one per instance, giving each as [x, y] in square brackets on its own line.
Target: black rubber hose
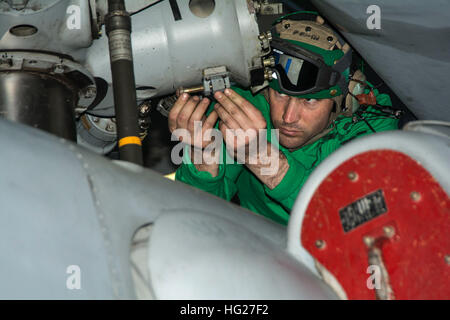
[118, 29]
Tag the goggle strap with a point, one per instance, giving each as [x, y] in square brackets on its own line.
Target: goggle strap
[344, 62]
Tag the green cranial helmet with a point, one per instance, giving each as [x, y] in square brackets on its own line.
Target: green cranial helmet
[311, 60]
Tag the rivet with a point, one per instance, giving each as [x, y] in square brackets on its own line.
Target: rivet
[333, 92]
[353, 176]
[287, 26]
[330, 39]
[368, 241]
[109, 128]
[320, 244]
[389, 231]
[415, 196]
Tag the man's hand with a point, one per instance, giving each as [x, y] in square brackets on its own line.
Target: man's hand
[245, 121]
[236, 114]
[183, 115]
[185, 112]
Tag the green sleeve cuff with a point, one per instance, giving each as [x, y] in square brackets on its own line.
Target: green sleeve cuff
[189, 173]
[289, 187]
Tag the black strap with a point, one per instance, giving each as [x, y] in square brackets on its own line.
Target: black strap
[175, 10]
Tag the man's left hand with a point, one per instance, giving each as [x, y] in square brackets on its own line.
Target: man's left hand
[244, 121]
[236, 113]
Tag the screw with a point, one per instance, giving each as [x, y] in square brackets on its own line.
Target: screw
[268, 74]
[57, 68]
[269, 62]
[415, 196]
[144, 109]
[368, 241]
[109, 128]
[320, 244]
[90, 92]
[353, 176]
[389, 231]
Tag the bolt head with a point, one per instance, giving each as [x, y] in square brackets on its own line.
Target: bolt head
[90, 92]
[320, 244]
[415, 196]
[109, 128]
[353, 176]
[368, 241]
[144, 109]
[59, 68]
[389, 231]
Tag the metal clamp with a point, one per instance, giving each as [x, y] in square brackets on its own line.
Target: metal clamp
[215, 79]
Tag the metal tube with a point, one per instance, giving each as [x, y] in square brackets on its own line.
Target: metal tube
[197, 89]
[118, 29]
[40, 101]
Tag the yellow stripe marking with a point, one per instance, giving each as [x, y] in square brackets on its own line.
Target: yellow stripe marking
[129, 140]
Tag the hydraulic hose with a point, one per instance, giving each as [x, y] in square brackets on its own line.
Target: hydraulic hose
[118, 30]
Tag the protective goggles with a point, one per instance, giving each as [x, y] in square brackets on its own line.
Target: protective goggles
[300, 71]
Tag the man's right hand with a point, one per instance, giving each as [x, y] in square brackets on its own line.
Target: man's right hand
[185, 112]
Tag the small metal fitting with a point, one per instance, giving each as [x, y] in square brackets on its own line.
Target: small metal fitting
[389, 231]
[144, 109]
[415, 196]
[90, 92]
[109, 127]
[320, 244]
[58, 68]
[268, 74]
[353, 176]
[197, 89]
[368, 241]
[269, 62]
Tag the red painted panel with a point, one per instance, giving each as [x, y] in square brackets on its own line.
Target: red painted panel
[416, 257]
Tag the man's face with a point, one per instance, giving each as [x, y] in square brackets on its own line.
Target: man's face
[297, 119]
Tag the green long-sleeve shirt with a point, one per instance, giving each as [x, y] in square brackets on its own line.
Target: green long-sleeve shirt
[277, 203]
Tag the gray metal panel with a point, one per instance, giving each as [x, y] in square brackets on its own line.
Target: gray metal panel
[217, 258]
[50, 18]
[63, 205]
[411, 52]
[48, 220]
[169, 54]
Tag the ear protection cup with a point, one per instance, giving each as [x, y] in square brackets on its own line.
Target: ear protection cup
[356, 86]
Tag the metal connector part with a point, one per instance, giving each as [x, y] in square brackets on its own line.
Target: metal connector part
[215, 79]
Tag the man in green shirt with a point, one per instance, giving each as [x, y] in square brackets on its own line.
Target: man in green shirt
[313, 104]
